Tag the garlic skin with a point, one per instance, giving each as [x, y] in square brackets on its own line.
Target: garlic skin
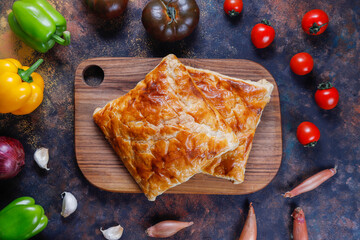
[113, 233]
[69, 204]
[41, 157]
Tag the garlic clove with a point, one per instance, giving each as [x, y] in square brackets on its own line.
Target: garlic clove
[113, 233]
[69, 204]
[41, 157]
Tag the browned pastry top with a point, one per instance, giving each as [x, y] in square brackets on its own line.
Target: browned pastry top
[240, 103]
[164, 130]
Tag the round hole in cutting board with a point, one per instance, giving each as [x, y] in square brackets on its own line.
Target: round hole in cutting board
[93, 75]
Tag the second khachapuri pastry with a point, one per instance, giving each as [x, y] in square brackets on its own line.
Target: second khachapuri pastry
[240, 103]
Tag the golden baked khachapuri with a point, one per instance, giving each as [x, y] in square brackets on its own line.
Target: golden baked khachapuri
[164, 130]
[240, 103]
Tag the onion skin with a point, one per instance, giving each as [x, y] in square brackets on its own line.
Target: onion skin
[249, 231]
[12, 157]
[299, 228]
[167, 228]
[311, 183]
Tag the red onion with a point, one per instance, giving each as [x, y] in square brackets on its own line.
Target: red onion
[12, 157]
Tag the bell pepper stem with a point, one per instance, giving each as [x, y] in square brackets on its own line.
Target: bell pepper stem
[58, 39]
[67, 36]
[62, 41]
[26, 75]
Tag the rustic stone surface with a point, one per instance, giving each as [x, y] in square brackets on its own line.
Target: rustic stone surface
[332, 210]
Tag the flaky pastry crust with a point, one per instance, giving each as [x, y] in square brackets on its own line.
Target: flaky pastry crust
[240, 103]
[164, 130]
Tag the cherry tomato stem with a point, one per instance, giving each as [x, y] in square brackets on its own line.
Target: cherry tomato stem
[325, 85]
[266, 22]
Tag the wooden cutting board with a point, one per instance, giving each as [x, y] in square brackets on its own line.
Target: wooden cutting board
[102, 167]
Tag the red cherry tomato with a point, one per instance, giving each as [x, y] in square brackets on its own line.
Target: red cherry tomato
[308, 134]
[326, 96]
[233, 7]
[262, 34]
[301, 63]
[315, 22]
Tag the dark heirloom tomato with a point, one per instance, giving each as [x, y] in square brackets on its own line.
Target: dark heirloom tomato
[107, 8]
[170, 20]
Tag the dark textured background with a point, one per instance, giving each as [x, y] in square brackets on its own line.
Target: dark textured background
[332, 210]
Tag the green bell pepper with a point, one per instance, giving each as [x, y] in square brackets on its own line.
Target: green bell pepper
[38, 24]
[22, 219]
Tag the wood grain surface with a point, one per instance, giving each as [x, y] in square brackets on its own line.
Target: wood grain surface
[103, 168]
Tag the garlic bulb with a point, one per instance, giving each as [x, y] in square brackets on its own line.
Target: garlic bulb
[69, 204]
[41, 157]
[113, 233]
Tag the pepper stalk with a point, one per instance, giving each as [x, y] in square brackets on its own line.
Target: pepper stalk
[26, 74]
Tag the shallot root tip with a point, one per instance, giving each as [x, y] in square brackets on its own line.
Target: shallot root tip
[287, 195]
[251, 209]
[298, 213]
[298, 209]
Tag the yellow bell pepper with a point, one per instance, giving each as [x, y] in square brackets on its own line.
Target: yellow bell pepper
[21, 89]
